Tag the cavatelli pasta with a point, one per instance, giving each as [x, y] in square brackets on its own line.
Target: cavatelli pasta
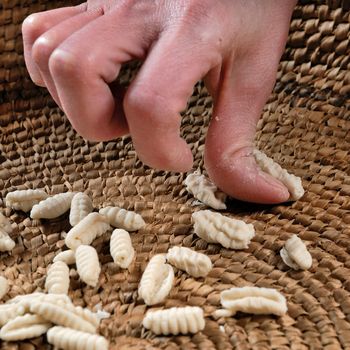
[92, 226]
[124, 219]
[70, 339]
[184, 320]
[121, 248]
[156, 281]
[88, 265]
[295, 254]
[24, 199]
[81, 206]
[205, 191]
[24, 327]
[4, 286]
[9, 312]
[269, 166]
[6, 243]
[57, 280]
[52, 207]
[67, 256]
[194, 263]
[217, 228]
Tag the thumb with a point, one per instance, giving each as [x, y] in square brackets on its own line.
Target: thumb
[239, 97]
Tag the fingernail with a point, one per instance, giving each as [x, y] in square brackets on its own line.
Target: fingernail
[281, 190]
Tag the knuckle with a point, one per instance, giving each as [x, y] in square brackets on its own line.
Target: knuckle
[41, 51]
[32, 26]
[62, 62]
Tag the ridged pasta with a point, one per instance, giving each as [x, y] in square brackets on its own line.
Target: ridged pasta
[92, 226]
[81, 206]
[156, 281]
[295, 254]
[194, 263]
[24, 327]
[269, 166]
[52, 207]
[217, 228]
[6, 243]
[88, 265]
[61, 316]
[67, 256]
[252, 300]
[176, 320]
[121, 218]
[57, 279]
[24, 199]
[9, 312]
[121, 248]
[4, 286]
[70, 339]
[205, 191]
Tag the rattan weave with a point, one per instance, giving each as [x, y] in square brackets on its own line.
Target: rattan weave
[305, 127]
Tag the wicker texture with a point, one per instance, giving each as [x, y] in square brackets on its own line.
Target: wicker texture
[305, 127]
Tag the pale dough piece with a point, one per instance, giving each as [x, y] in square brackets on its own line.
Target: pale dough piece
[121, 248]
[24, 199]
[156, 281]
[217, 228]
[70, 339]
[52, 207]
[184, 320]
[81, 206]
[88, 265]
[252, 300]
[57, 280]
[26, 299]
[121, 218]
[6, 243]
[4, 287]
[61, 316]
[205, 191]
[24, 327]
[295, 254]
[269, 166]
[195, 264]
[9, 312]
[67, 256]
[92, 226]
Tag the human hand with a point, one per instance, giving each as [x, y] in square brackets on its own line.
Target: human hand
[235, 45]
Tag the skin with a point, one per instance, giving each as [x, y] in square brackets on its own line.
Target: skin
[235, 45]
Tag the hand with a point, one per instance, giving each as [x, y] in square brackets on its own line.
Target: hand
[235, 45]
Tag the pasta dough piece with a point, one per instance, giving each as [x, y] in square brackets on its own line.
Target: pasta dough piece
[252, 300]
[70, 339]
[81, 206]
[4, 287]
[121, 248]
[195, 264]
[184, 320]
[24, 327]
[52, 207]
[121, 218]
[61, 316]
[88, 265]
[205, 191]
[67, 256]
[24, 199]
[269, 166]
[57, 280]
[156, 281]
[217, 228]
[6, 243]
[295, 254]
[9, 312]
[92, 226]
[26, 299]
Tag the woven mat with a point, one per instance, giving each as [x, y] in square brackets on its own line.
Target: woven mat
[305, 127]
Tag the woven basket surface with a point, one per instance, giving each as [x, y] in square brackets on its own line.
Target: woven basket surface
[305, 127]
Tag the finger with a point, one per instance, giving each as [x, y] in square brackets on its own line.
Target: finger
[157, 96]
[37, 24]
[51, 39]
[228, 154]
[83, 66]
